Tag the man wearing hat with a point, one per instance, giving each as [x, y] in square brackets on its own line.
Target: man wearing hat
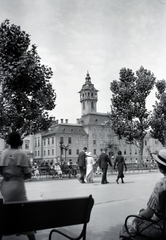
[82, 164]
[103, 161]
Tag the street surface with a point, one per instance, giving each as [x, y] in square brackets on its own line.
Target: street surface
[113, 202]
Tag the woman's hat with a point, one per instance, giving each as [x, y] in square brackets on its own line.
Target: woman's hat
[89, 154]
[14, 139]
[161, 157]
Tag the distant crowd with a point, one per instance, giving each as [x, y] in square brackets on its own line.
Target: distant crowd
[54, 169]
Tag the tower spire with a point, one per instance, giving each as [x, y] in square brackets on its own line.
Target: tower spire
[88, 78]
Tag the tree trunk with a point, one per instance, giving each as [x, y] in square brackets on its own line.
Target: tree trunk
[141, 147]
[164, 145]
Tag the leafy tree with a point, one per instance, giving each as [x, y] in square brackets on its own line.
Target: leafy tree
[158, 121]
[129, 115]
[26, 95]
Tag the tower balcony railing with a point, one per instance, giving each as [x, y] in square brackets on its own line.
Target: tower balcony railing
[89, 98]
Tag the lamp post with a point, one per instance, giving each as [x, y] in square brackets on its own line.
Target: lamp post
[62, 146]
[66, 149]
[61, 150]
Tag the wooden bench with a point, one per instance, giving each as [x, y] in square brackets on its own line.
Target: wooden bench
[20, 217]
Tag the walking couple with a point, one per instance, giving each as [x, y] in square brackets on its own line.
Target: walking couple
[85, 162]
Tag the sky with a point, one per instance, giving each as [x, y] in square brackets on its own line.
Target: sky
[98, 36]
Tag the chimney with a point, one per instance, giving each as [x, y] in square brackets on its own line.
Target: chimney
[52, 118]
[57, 121]
[78, 121]
[66, 120]
[61, 120]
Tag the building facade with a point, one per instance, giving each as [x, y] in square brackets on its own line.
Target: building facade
[65, 140]
[92, 130]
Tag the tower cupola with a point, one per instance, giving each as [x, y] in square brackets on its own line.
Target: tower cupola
[88, 96]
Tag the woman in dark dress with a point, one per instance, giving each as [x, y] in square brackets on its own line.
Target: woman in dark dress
[120, 166]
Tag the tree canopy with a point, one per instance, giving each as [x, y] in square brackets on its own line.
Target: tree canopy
[26, 94]
[158, 121]
[129, 116]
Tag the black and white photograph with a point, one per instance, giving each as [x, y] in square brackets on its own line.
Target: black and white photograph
[82, 119]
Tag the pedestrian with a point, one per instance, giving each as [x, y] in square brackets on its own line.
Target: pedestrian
[52, 171]
[152, 210]
[89, 167]
[70, 163]
[36, 171]
[120, 162]
[103, 161]
[81, 161]
[58, 170]
[15, 167]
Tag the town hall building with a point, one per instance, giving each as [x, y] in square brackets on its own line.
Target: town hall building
[65, 140]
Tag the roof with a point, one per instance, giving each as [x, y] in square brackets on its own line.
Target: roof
[94, 118]
[88, 85]
[66, 129]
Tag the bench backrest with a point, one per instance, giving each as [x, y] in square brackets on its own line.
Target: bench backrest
[18, 217]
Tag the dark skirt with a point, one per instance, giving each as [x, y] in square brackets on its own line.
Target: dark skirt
[120, 170]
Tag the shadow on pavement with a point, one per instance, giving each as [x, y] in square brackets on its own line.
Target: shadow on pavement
[111, 234]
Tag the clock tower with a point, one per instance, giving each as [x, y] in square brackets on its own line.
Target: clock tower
[88, 97]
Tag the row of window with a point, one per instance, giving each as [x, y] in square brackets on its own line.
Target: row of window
[61, 140]
[48, 141]
[69, 140]
[88, 94]
[130, 152]
[51, 141]
[92, 105]
[51, 152]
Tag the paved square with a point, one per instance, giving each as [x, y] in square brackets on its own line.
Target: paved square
[113, 202]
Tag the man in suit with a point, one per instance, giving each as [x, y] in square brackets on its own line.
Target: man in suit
[82, 164]
[103, 161]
